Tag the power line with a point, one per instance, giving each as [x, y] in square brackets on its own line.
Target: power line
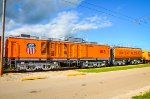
[148, 15]
[119, 13]
[144, 19]
[99, 11]
[125, 18]
[109, 10]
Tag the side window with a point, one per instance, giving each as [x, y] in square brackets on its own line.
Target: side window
[65, 50]
[52, 53]
[52, 45]
[65, 46]
[47, 47]
[43, 48]
[52, 49]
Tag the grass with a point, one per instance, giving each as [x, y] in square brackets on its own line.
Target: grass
[115, 68]
[143, 96]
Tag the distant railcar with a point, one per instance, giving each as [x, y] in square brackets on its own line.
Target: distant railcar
[126, 55]
[146, 56]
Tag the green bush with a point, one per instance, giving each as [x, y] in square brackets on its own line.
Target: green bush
[143, 96]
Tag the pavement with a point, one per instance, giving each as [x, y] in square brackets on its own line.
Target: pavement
[107, 85]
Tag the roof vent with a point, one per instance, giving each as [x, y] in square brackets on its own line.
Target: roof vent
[70, 39]
[25, 35]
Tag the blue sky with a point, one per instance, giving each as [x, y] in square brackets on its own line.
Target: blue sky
[122, 32]
[83, 18]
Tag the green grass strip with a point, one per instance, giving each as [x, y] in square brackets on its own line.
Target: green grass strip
[114, 68]
[143, 96]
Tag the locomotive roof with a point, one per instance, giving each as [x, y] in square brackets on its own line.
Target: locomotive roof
[125, 47]
[54, 39]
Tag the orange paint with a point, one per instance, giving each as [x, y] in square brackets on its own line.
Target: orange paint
[17, 48]
[146, 55]
[121, 52]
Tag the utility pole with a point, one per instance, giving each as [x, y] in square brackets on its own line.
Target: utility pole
[2, 38]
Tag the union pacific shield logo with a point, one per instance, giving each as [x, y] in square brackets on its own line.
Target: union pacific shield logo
[31, 48]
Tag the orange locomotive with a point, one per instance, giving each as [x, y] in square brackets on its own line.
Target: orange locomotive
[31, 54]
[126, 55]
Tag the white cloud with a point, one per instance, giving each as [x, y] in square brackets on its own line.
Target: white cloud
[66, 23]
[35, 11]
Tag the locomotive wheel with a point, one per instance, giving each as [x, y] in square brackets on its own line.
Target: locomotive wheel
[30, 68]
[46, 67]
[99, 65]
[55, 66]
[132, 62]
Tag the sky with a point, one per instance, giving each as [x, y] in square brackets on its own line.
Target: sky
[112, 22]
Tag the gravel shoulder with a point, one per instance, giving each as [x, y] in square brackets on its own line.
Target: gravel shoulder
[108, 85]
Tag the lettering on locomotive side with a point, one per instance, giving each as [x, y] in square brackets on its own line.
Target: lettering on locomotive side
[103, 51]
[31, 48]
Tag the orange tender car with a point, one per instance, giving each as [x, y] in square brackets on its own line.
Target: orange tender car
[126, 55]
